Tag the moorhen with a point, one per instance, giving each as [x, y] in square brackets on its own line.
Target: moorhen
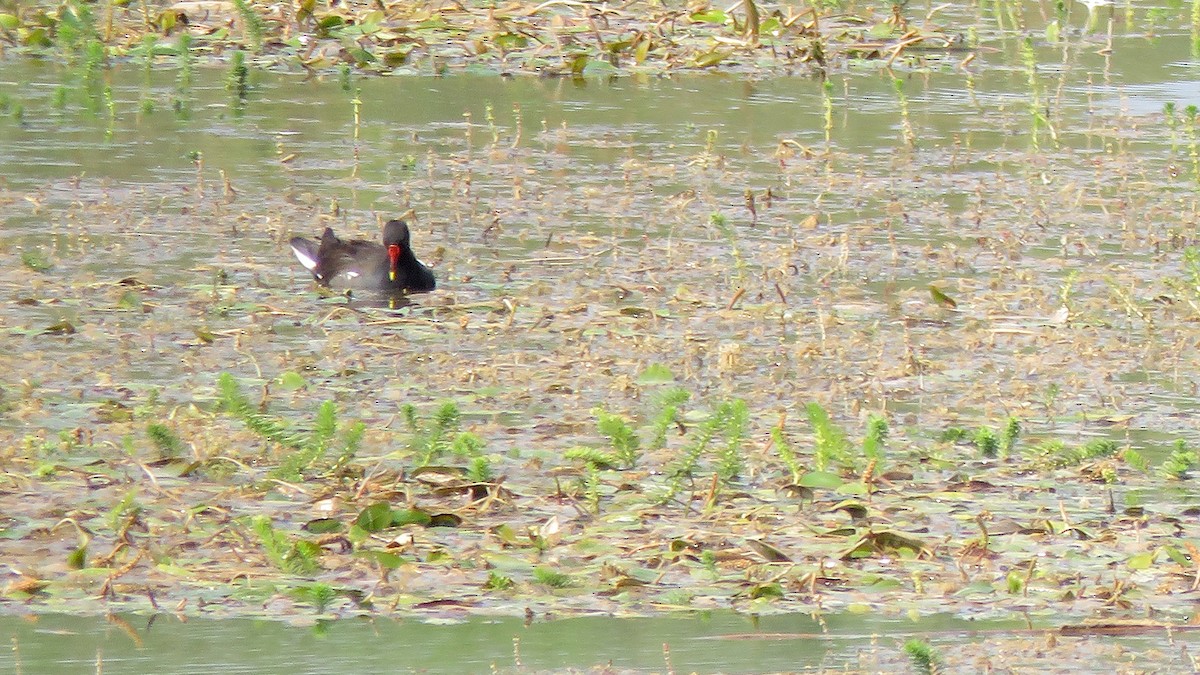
[355, 263]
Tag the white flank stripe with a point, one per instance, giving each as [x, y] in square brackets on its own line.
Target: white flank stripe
[310, 264]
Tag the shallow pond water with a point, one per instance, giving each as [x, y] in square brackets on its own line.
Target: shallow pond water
[693, 644]
[772, 242]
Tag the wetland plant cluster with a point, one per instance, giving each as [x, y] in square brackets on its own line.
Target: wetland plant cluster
[571, 39]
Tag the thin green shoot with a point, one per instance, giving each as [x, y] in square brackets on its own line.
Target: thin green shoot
[723, 226]
[1181, 462]
[787, 452]
[925, 659]
[830, 441]
[299, 558]
[254, 24]
[165, 440]
[668, 402]
[876, 438]
[620, 435]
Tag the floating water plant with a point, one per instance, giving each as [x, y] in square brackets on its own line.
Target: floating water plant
[1193, 139]
[442, 436]
[165, 440]
[924, 657]
[305, 450]
[1181, 462]
[254, 25]
[297, 556]
[35, 260]
[319, 595]
[723, 226]
[238, 78]
[830, 445]
[906, 129]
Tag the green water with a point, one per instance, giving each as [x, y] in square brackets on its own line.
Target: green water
[712, 643]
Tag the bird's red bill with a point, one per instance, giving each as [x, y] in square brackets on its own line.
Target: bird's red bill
[393, 252]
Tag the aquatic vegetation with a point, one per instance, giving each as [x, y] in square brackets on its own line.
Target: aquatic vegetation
[293, 556]
[1181, 462]
[441, 436]
[254, 25]
[165, 440]
[305, 450]
[237, 81]
[925, 658]
[676, 364]
[377, 39]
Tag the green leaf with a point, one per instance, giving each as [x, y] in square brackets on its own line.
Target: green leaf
[853, 489]
[1053, 31]
[709, 59]
[1141, 561]
[386, 560]
[445, 520]
[820, 479]
[324, 526]
[291, 381]
[375, 517]
[710, 16]
[881, 30]
[38, 37]
[655, 373]
[770, 591]
[510, 41]
[411, 516]
[330, 22]
[77, 559]
[941, 298]
[9, 22]
[598, 68]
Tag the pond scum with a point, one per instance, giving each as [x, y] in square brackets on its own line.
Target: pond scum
[734, 398]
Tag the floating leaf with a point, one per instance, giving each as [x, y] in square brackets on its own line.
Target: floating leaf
[510, 41]
[598, 68]
[385, 559]
[1141, 561]
[60, 327]
[411, 517]
[710, 16]
[941, 298]
[330, 22]
[768, 551]
[772, 591]
[324, 526]
[655, 373]
[445, 520]
[375, 517]
[291, 381]
[9, 22]
[881, 30]
[709, 59]
[36, 261]
[820, 479]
